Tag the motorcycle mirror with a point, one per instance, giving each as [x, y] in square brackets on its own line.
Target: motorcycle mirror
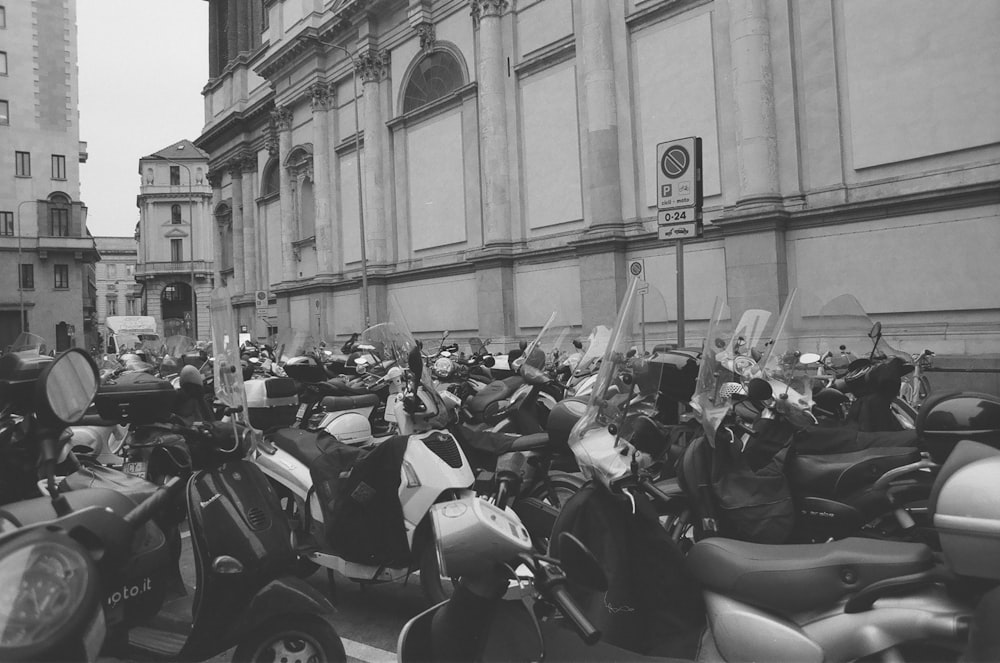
[66, 387]
[807, 358]
[876, 331]
[759, 390]
[416, 363]
[489, 361]
[532, 375]
[444, 335]
[647, 437]
[580, 565]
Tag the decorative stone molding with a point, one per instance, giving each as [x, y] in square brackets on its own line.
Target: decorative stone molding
[235, 167]
[320, 96]
[248, 161]
[282, 118]
[271, 137]
[484, 8]
[426, 33]
[372, 65]
[214, 178]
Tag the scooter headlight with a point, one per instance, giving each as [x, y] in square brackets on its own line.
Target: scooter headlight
[43, 586]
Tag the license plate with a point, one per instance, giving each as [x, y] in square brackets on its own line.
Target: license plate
[136, 469]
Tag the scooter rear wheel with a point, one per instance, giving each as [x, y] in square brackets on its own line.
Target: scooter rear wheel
[292, 639]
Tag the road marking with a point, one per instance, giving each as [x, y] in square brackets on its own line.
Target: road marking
[359, 651]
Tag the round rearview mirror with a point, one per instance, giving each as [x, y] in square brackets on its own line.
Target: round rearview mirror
[876, 330]
[489, 361]
[66, 387]
[808, 358]
[759, 390]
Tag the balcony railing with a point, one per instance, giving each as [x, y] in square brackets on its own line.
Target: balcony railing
[146, 270]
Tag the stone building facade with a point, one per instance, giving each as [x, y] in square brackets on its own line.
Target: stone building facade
[46, 275]
[174, 240]
[117, 290]
[508, 159]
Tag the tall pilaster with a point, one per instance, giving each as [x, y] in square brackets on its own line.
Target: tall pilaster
[232, 32]
[282, 117]
[493, 122]
[215, 181]
[248, 163]
[603, 188]
[321, 102]
[753, 93]
[239, 279]
[372, 65]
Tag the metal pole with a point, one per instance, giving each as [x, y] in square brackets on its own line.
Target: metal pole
[20, 286]
[361, 207]
[194, 309]
[680, 293]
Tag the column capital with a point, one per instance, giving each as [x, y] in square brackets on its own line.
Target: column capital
[371, 64]
[321, 94]
[485, 8]
[235, 167]
[214, 178]
[282, 118]
[247, 161]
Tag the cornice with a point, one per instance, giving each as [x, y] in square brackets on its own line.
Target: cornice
[176, 196]
[561, 51]
[214, 137]
[659, 11]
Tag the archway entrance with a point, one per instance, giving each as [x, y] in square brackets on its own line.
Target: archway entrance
[175, 305]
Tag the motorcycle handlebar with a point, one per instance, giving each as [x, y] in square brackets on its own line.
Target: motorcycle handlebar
[149, 506]
[569, 608]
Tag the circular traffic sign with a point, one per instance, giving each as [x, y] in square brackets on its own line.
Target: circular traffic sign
[635, 268]
[675, 161]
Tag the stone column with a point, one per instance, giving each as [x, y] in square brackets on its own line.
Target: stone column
[215, 181]
[248, 162]
[321, 102]
[282, 117]
[493, 122]
[239, 273]
[371, 65]
[753, 93]
[603, 189]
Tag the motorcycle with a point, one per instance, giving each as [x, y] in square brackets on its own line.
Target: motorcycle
[725, 600]
[241, 548]
[361, 509]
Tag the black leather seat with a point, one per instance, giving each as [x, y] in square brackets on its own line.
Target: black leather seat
[493, 392]
[339, 387]
[836, 475]
[790, 579]
[340, 403]
[40, 509]
[845, 439]
[303, 445]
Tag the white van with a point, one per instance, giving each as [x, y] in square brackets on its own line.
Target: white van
[128, 332]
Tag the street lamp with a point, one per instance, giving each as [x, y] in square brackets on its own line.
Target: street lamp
[194, 309]
[20, 276]
[357, 159]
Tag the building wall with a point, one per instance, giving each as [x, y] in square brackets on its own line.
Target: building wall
[41, 88]
[834, 160]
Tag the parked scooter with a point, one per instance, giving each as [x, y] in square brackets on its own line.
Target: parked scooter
[727, 600]
[361, 509]
[241, 548]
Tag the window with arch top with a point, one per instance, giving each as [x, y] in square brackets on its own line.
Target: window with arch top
[175, 214]
[436, 75]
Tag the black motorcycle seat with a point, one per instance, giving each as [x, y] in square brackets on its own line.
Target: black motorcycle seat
[300, 444]
[40, 509]
[790, 579]
[836, 475]
[842, 439]
[339, 387]
[339, 403]
[491, 393]
[496, 444]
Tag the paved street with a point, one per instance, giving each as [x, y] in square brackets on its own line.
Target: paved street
[368, 619]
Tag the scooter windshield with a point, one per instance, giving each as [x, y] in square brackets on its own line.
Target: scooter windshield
[597, 345]
[226, 346]
[792, 358]
[178, 346]
[729, 360]
[551, 344]
[849, 335]
[28, 345]
[626, 388]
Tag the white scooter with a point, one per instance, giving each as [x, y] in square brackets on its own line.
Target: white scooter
[361, 508]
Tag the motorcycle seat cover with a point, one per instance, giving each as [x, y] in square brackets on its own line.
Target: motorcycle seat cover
[340, 403]
[491, 393]
[836, 475]
[497, 444]
[340, 387]
[301, 444]
[40, 509]
[842, 439]
[790, 579]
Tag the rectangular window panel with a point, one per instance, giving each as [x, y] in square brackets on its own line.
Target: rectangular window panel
[175, 175]
[3, 16]
[58, 167]
[6, 223]
[60, 222]
[112, 306]
[62, 276]
[112, 271]
[3, 63]
[130, 306]
[4, 112]
[27, 277]
[176, 250]
[22, 164]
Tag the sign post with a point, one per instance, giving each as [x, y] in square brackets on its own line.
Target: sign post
[678, 204]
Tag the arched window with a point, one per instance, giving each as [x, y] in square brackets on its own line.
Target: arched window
[59, 204]
[175, 214]
[269, 183]
[436, 75]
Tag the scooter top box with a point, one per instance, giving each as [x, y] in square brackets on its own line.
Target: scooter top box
[271, 402]
[137, 398]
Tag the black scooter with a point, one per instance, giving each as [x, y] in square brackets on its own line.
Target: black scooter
[241, 544]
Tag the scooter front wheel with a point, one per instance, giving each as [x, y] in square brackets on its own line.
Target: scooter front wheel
[292, 639]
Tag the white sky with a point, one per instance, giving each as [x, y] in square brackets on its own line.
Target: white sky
[143, 64]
